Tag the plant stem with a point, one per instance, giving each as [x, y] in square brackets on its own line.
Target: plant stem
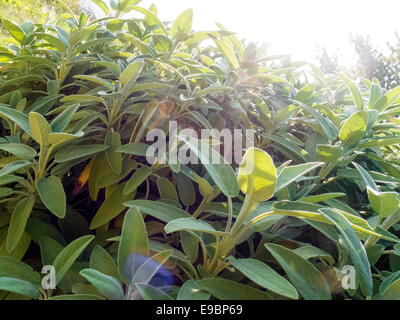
[200, 207]
[387, 224]
[229, 222]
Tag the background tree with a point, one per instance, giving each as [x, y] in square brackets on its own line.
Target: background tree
[328, 62]
[372, 62]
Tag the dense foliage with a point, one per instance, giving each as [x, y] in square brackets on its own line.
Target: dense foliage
[77, 193]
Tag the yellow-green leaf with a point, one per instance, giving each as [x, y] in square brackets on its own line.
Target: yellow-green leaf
[257, 175]
[133, 242]
[384, 203]
[40, 128]
[51, 192]
[19, 218]
[353, 128]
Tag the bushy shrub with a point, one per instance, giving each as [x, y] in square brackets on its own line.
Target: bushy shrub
[314, 199]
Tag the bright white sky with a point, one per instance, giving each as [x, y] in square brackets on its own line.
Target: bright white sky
[293, 27]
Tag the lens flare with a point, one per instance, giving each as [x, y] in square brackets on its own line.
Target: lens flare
[145, 271]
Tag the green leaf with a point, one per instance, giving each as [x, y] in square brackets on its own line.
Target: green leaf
[228, 51]
[374, 94]
[69, 254]
[5, 192]
[166, 189]
[49, 249]
[51, 192]
[374, 252]
[43, 104]
[191, 291]
[52, 40]
[75, 152]
[354, 247]
[19, 218]
[37, 61]
[190, 245]
[353, 128]
[224, 289]
[19, 286]
[369, 181]
[220, 171]
[265, 276]
[235, 41]
[148, 87]
[122, 5]
[19, 118]
[114, 158]
[308, 280]
[311, 211]
[143, 47]
[379, 142]
[327, 126]
[22, 151]
[107, 285]
[191, 224]
[162, 211]
[150, 16]
[257, 175]
[64, 118]
[328, 153]
[115, 25]
[305, 93]
[20, 250]
[11, 267]
[37, 228]
[102, 261]
[98, 166]
[322, 197]
[204, 187]
[358, 102]
[282, 142]
[14, 166]
[109, 177]
[290, 174]
[111, 207]
[133, 241]
[21, 80]
[16, 31]
[308, 252]
[384, 102]
[7, 179]
[98, 80]
[137, 149]
[392, 292]
[82, 98]
[182, 25]
[148, 292]
[40, 128]
[137, 179]
[210, 90]
[186, 191]
[131, 73]
[376, 176]
[56, 139]
[384, 203]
